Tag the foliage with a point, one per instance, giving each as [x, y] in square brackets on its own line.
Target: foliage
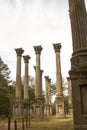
[64, 88]
[4, 89]
[31, 94]
[4, 103]
[4, 74]
[53, 89]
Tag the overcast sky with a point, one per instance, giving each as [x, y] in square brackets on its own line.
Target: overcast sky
[26, 23]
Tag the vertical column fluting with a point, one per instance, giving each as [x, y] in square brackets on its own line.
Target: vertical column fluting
[57, 48]
[78, 72]
[26, 76]
[78, 17]
[38, 50]
[19, 52]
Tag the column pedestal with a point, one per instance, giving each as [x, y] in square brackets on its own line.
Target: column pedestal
[60, 104]
[78, 75]
[38, 109]
[47, 110]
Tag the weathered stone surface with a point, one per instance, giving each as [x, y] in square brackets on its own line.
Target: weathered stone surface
[38, 50]
[46, 86]
[38, 104]
[78, 72]
[70, 107]
[57, 48]
[60, 104]
[19, 52]
[47, 107]
[26, 77]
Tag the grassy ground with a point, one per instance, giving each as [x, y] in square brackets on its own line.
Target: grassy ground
[48, 123]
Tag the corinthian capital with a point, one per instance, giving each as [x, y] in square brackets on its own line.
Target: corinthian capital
[38, 49]
[57, 47]
[19, 51]
[26, 58]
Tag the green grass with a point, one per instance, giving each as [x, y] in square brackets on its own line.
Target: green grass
[52, 123]
[48, 123]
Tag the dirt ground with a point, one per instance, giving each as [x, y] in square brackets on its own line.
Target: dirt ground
[47, 124]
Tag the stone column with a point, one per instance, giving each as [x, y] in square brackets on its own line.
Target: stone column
[26, 77]
[46, 108]
[38, 105]
[78, 72]
[38, 50]
[41, 72]
[49, 91]
[19, 52]
[49, 96]
[69, 91]
[17, 106]
[57, 48]
[35, 82]
[60, 110]
[46, 85]
[69, 96]
[78, 17]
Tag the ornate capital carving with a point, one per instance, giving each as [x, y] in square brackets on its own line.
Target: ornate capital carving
[49, 80]
[41, 71]
[19, 51]
[46, 77]
[75, 63]
[38, 49]
[26, 58]
[57, 47]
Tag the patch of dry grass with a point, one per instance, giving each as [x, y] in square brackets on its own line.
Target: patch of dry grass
[48, 123]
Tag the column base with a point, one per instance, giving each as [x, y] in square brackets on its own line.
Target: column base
[60, 107]
[70, 110]
[20, 108]
[38, 109]
[47, 110]
[17, 111]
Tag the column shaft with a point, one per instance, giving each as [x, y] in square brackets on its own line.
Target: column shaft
[78, 72]
[49, 91]
[78, 16]
[19, 52]
[38, 50]
[57, 48]
[60, 105]
[58, 74]
[46, 86]
[41, 71]
[26, 77]
[69, 91]
[38, 81]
